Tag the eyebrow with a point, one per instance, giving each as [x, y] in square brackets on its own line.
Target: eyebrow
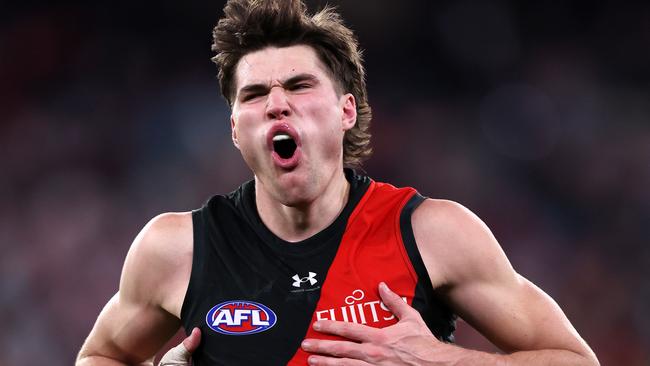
[261, 87]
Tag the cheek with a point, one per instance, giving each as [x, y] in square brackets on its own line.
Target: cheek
[244, 128]
[248, 147]
[248, 139]
[330, 139]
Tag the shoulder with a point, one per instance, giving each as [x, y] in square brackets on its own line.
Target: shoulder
[455, 244]
[444, 217]
[164, 237]
[159, 258]
[165, 228]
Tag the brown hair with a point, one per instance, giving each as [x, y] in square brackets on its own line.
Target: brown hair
[251, 25]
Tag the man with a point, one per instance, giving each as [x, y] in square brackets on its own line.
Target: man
[310, 262]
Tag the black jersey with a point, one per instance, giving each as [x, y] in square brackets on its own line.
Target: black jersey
[255, 296]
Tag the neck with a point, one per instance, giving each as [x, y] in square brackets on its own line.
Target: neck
[299, 222]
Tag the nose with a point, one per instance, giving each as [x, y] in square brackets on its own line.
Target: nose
[277, 105]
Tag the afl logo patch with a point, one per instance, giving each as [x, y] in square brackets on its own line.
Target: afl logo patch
[240, 317]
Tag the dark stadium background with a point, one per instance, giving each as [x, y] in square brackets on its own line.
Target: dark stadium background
[535, 115]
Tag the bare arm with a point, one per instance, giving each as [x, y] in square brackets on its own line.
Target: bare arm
[145, 312]
[467, 265]
[484, 289]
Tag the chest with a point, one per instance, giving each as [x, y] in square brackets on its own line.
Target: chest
[251, 300]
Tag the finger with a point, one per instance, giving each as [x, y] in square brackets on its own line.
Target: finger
[327, 361]
[192, 341]
[345, 349]
[333, 348]
[352, 331]
[394, 302]
[180, 355]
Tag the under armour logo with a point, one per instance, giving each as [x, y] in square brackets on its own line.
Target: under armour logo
[311, 278]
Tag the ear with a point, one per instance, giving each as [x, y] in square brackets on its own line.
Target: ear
[349, 107]
[233, 131]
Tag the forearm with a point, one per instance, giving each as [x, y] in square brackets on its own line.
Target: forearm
[105, 361]
[550, 357]
[545, 357]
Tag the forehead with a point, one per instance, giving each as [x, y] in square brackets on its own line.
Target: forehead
[278, 63]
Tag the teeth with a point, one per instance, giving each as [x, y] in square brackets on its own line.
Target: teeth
[281, 137]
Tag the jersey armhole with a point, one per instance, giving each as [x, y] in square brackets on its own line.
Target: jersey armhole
[436, 314]
[408, 239]
[197, 252]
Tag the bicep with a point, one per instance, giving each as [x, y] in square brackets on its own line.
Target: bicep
[137, 321]
[514, 314]
[466, 261]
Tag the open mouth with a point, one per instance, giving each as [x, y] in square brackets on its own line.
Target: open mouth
[284, 145]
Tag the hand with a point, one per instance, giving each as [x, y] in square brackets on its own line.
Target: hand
[180, 355]
[409, 342]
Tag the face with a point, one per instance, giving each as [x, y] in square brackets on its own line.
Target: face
[288, 121]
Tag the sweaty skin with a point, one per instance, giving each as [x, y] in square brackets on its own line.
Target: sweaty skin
[289, 88]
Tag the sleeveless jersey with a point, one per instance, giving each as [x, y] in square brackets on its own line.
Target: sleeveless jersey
[255, 296]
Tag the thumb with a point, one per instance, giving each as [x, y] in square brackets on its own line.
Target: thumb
[192, 341]
[180, 355]
[395, 304]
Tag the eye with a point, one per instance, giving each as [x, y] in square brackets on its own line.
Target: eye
[250, 96]
[300, 86]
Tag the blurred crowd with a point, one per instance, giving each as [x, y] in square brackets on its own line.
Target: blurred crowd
[535, 116]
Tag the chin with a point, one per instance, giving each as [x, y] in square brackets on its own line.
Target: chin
[296, 195]
[300, 186]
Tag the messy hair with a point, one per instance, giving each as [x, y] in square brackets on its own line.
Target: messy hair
[251, 25]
